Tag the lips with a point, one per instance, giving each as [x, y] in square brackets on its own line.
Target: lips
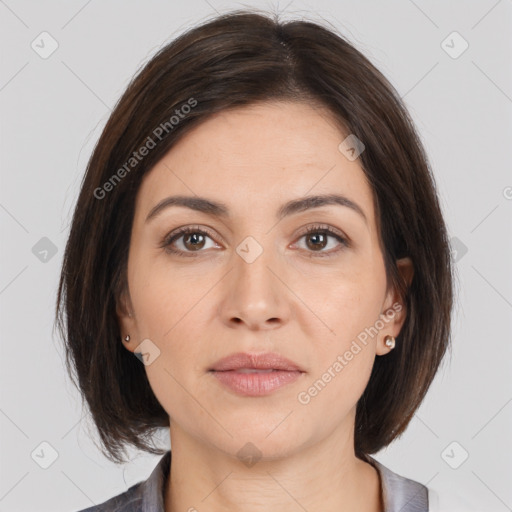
[256, 375]
[255, 363]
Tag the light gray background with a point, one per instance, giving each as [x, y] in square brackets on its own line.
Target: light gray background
[53, 110]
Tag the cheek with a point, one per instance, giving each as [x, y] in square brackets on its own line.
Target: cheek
[175, 373]
[347, 302]
[161, 296]
[166, 314]
[341, 373]
[350, 307]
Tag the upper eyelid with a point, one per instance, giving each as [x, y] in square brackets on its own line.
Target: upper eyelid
[323, 227]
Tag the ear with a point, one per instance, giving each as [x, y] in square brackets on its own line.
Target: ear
[126, 320]
[394, 306]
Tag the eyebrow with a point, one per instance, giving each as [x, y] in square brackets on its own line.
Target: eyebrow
[217, 209]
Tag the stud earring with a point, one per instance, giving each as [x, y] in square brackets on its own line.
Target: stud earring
[389, 342]
[127, 337]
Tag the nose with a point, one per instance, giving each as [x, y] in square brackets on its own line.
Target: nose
[255, 295]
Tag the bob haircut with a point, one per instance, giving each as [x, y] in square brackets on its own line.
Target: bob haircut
[237, 59]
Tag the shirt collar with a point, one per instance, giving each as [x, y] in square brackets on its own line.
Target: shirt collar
[399, 494]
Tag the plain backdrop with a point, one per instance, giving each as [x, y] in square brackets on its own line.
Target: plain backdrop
[458, 89]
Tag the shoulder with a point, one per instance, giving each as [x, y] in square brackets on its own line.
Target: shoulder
[399, 493]
[128, 501]
[402, 494]
[144, 495]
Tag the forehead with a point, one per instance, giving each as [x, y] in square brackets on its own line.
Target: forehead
[255, 158]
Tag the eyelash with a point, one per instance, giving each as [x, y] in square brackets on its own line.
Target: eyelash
[172, 237]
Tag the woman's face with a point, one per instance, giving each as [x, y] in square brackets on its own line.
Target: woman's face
[252, 280]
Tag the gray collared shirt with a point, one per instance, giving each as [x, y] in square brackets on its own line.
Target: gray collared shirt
[399, 494]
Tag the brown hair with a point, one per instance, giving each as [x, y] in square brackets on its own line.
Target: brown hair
[234, 60]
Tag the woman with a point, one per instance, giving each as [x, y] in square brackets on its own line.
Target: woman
[259, 226]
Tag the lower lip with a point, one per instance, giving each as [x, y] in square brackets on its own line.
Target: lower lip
[256, 384]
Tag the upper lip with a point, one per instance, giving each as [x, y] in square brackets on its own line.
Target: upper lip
[267, 361]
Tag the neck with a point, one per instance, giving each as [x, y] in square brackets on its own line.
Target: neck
[325, 476]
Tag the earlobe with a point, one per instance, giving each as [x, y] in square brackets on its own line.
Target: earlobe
[389, 341]
[406, 270]
[385, 345]
[125, 320]
[127, 335]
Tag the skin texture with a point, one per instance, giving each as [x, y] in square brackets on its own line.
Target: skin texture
[197, 309]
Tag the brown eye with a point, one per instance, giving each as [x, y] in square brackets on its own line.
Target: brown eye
[318, 240]
[187, 241]
[193, 241]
